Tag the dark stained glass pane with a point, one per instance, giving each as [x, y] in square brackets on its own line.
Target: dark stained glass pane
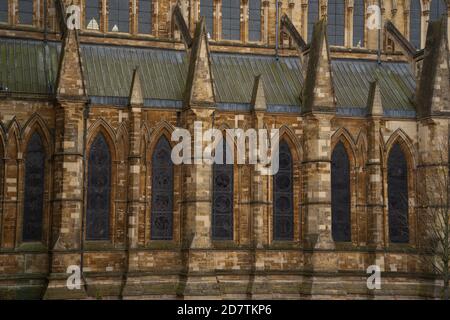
[398, 196]
[3, 10]
[25, 11]
[92, 14]
[254, 23]
[313, 16]
[99, 190]
[206, 10]
[34, 189]
[162, 191]
[336, 22]
[283, 207]
[358, 23]
[438, 8]
[415, 15]
[119, 15]
[145, 16]
[340, 194]
[222, 211]
[231, 26]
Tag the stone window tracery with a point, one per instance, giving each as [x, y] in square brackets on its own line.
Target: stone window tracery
[99, 190]
[162, 192]
[340, 194]
[283, 206]
[34, 190]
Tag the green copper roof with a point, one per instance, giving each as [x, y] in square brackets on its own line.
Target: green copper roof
[234, 75]
[28, 66]
[109, 71]
[352, 82]
[163, 72]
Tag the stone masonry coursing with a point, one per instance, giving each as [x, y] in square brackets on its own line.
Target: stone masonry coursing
[192, 265]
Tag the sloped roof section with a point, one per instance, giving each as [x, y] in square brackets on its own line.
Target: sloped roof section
[234, 75]
[109, 71]
[352, 80]
[28, 66]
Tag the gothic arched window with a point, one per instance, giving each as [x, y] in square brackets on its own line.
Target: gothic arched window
[119, 16]
[340, 194]
[254, 20]
[34, 189]
[398, 195]
[359, 13]
[99, 190]
[92, 14]
[3, 10]
[25, 12]
[222, 206]
[145, 16]
[336, 22]
[313, 16]
[162, 191]
[415, 17]
[207, 11]
[231, 25]
[438, 8]
[283, 209]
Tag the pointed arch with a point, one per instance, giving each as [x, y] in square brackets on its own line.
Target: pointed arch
[344, 161]
[400, 137]
[223, 196]
[400, 165]
[101, 126]
[294, 142]
[122, 140]
[398, 208]
[13, 145]
[162, 191]
[340, 194]
[34, 189]
[36, 124]
[99, 189]
[163, 128]
[344, 136]
[283, 197]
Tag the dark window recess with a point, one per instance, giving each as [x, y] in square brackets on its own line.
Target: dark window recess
[25, 11]
[438, 8]
[358, 23]
[313, 16]
[92, 14]
[398, 196]
[336, 22]
[231, 25]
[340, 194]
[162, 191]
[99, 190]
[206, 10]
[222, 215]
[283, 208]
[3, 10]
[145, 16]
[34, 190]
[415, 16]
[119, 16]
[254, 23]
